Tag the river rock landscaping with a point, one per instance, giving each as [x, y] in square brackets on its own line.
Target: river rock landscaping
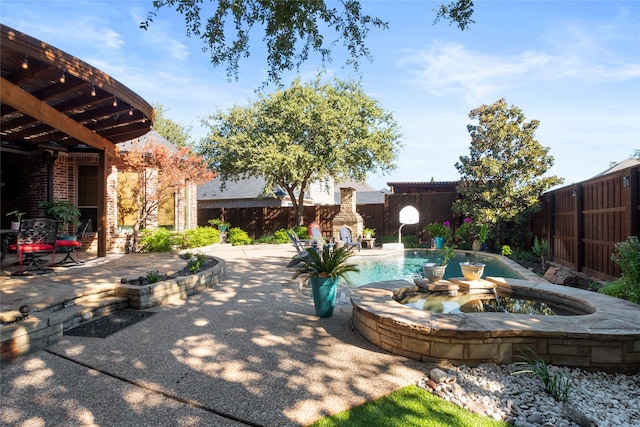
[496, 391]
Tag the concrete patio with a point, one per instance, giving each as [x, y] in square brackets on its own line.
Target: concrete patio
[249, 351]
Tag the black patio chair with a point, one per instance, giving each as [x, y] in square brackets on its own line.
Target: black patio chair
[36, 239]
[69, 247]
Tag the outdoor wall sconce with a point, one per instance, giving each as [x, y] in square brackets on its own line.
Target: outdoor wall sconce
[626, 181]
[25, 310]
[573, 193]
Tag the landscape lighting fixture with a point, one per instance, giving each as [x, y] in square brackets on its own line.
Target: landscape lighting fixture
[25, 63]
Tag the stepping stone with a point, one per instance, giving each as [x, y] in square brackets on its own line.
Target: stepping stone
[440, 286]
[473, 285]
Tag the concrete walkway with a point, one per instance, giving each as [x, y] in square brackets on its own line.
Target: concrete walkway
[248, 352]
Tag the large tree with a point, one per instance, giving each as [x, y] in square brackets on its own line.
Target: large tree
[177, 133]
[296, 136]
[292, 29]
[503, 177]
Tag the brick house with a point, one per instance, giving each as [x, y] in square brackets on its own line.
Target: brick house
[61, 119]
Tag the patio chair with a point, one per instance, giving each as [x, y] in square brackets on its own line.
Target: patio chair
[299, 245]
[36, 238]
[345, 236]
[68, 247]
[319, 240]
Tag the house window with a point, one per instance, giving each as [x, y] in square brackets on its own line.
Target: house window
[88, 192]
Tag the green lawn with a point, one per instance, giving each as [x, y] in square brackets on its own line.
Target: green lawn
[409, 406]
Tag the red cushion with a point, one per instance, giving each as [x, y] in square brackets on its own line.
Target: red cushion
[32, 247]
[68, 244]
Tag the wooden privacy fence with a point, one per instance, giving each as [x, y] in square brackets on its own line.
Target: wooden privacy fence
[583, 222]
[384, 218]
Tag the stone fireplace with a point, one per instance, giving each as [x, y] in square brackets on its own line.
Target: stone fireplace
[347, 215]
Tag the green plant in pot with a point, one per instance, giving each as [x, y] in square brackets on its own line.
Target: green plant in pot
[67, 214]
[368, 233]
[323, 269]
[15, 225]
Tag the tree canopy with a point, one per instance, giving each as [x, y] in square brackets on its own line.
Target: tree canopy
[503, 177]
[292, 29]
[308, 132]
[174, 132]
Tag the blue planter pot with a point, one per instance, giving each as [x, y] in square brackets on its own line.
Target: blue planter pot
[324, 291]
[439, 242]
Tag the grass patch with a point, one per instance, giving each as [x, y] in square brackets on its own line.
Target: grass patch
[406, 407]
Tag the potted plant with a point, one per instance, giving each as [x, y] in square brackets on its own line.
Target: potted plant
[368, 232]
[15, 225]
[66, 213]
[434, 271]
[482, 237]
[441, 232]
[323, 269]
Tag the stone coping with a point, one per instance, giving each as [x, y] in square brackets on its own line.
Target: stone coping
[606, 338]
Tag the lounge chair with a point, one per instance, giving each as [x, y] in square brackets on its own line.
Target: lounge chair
[345, 236]
[300, 247]
[319, 240]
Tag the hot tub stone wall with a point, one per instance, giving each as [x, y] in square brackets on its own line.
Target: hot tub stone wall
[607, 339]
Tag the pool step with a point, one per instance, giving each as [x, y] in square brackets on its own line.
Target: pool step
[479, 286]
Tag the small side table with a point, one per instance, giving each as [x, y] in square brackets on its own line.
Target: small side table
[369, 243]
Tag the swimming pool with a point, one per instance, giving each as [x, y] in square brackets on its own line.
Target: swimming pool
[408, 266]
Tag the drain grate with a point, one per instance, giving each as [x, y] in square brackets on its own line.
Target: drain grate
[107, 325]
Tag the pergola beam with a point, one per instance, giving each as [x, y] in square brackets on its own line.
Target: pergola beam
[28, 104]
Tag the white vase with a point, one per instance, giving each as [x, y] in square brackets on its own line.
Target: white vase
[433, 273]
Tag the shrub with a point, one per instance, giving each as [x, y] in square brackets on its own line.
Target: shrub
[160, 240]
[627, 255]
[506, 250]
[153, 276]
[302, 232]
[238, 237]
[522, 255]
[541, 249]
[196, 263]
[280, 236]
[199, 236]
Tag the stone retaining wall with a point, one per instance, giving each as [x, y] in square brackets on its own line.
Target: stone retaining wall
[141, 297]
[608, 339]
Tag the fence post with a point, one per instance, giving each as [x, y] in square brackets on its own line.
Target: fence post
[633, 210]
[579, 227]
[551, 210]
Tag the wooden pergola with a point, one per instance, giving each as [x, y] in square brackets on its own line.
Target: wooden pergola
[50, 99]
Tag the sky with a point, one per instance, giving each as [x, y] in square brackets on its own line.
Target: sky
[574, 66]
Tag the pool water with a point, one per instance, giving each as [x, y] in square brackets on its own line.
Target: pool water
[408, 266]
[483, 303]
